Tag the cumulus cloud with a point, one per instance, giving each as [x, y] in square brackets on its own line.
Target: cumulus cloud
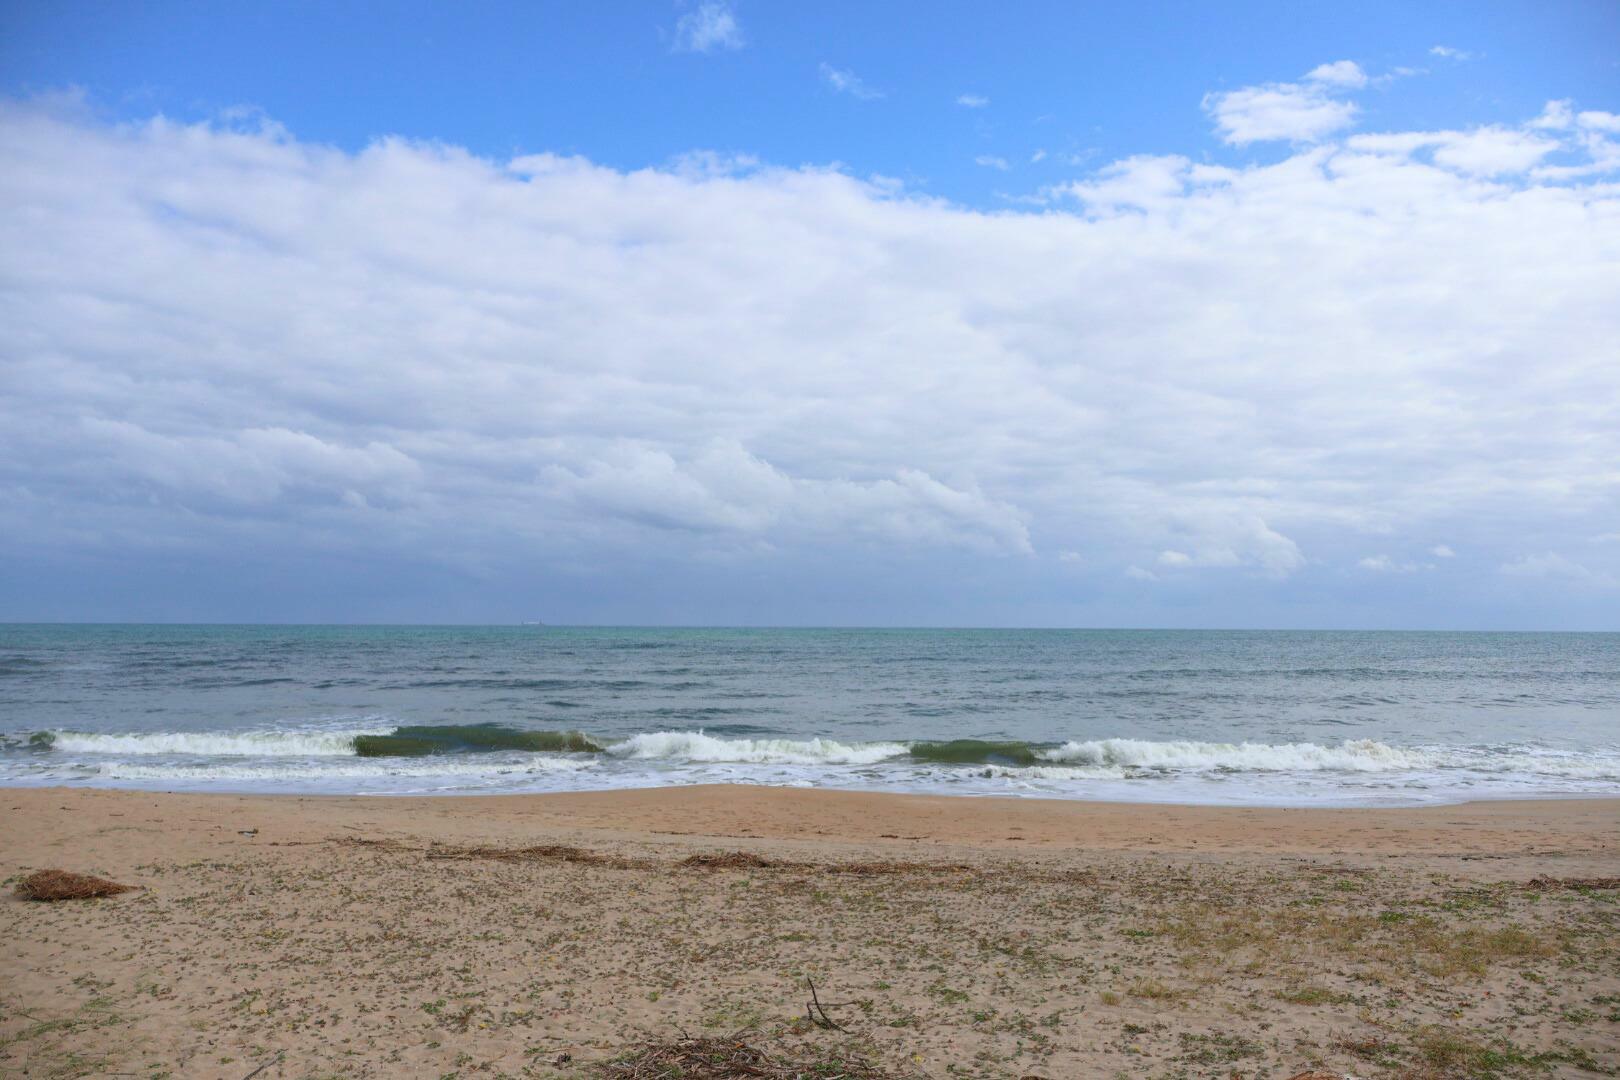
[1212, 377]
[844, 81]
[1339, 73]
[709, 27]
[1301, 112]
[1449, 53]
[1442, 551]
[972, 101]
[990, 161]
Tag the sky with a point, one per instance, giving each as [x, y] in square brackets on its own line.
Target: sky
[1247, 315]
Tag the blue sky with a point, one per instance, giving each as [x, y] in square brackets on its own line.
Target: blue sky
[609, 82]
[1181, 315]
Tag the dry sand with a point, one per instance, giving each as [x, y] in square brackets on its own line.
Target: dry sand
[543, 935]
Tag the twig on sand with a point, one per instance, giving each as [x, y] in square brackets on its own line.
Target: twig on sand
[825, 1021]
[263, 1067]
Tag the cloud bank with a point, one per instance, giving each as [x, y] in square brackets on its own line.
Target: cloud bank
[1226, 380]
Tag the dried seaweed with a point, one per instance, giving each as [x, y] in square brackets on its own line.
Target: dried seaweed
[731, 1058]
[1548, 884]
[66, 885]
[731, 860]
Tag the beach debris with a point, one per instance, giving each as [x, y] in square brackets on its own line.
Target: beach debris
[1548, 884]
[732, 860]
[377, 844]
[533, 853]
[817, 1012]
[892, 867]
[273, 1061]
[748, 860]
[731, 1058]
[66, 885]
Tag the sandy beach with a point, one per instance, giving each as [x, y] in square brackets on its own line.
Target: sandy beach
[548, 935]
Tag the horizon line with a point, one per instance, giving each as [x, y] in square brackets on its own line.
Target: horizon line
[807, 626]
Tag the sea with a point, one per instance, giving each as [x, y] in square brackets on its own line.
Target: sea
[1257, 718]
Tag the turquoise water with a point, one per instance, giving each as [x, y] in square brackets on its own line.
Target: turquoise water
[1288, 717]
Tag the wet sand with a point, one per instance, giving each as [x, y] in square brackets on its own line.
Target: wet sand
[540, 935]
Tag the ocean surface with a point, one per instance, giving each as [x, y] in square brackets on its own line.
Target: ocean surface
[1235, 717]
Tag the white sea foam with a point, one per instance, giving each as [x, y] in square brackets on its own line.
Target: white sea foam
[696, 746]
[315, 758]
[359, 769]
[1359, 755]
[313, 743]
[1051, 773]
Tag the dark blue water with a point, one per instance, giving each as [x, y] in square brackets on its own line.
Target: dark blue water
[1226, 716]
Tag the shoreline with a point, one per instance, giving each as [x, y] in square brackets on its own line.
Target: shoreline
[541, 935]
[877, 792]
[762, 812]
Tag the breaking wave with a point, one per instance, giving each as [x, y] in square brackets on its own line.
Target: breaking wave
[696, 746]
[332, 743]
[493, 746]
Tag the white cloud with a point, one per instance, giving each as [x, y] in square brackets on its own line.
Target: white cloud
[710, 26]
[252, 465]
[1599, 121]
[725, 489]
[1486, 151]
[1225, 540]
[1037, 157]
[1345, 73]
[844, 81]
[1383, 564]
[1296, 112]
[1556, 567]
[990, 161]
[218, 335]
[1141, 182]
[1492, 151]
[1136, 573]
[1557, 115]
[1442, 551]
[972, 101]
[1448, 53]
